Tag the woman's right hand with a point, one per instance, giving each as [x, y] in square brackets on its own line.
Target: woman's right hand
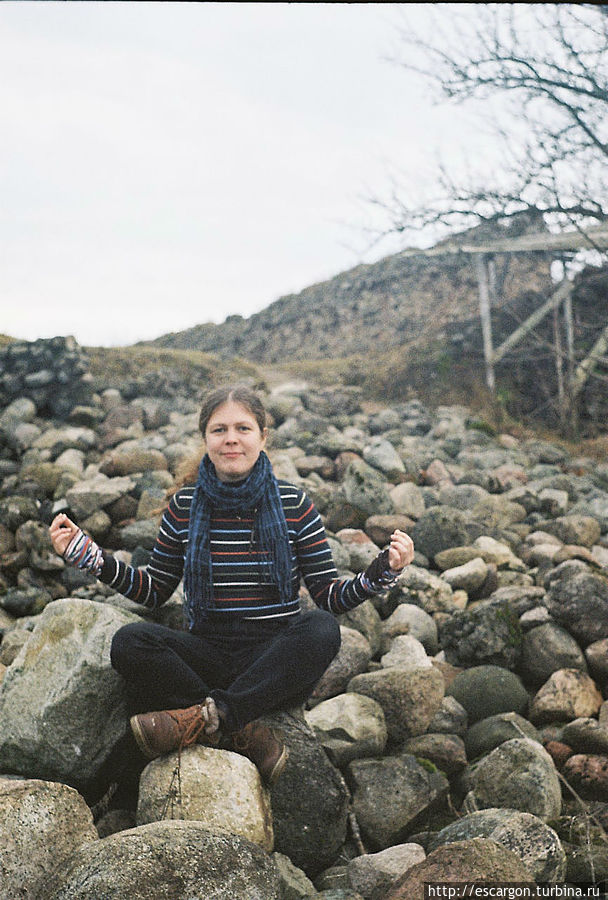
[62, 531]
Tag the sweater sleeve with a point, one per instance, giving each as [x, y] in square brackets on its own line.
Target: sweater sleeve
[153, 584]
[318, 569]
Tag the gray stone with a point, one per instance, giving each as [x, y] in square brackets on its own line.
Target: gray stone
[518, 774]
[488, 690]
[586, 735]
[421, 588]
[381, 454]
[446, 751]
[408, 500]
[352, 658]
[41, 825]
[365, 619]
[450, 718]
[349, 726]
[578, 600]
[576, 529]
[439, 528]
[487, 634]
[546, 649]
[294, 883]
[167, 860]
[62, 706]
[487, 734]
[87, 496]
[373, 873]
[468, 577]
[409, 697]
[412, 620]
[392, 795]
[309, 801]
[405, 652]
[537, 845]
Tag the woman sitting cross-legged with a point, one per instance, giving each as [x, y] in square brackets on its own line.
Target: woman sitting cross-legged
[241, 540]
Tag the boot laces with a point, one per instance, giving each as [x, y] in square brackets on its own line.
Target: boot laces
[191, 722]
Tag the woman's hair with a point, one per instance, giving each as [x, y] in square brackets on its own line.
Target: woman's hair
[187, 471]
[238, 394]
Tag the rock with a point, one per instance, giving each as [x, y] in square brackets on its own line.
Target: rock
[309, 801]
[350, 726]
[138, 534]
[381, 454]
[578, 600]
[366, 620]
[454, 557]
[166, 860]
[485, 691]
[586, 735]
[497, 553]
[439, 528]
[489, 733]
[568, 694]
[380, 528]
[405, 652]
[446, 751]
[352, 658]
[420, 588]
[488, 634]
[412, 620]
[392, 795]
[450, 718]
[294, 884]
[361, 549]
[12, 644]
[373, 873]
[518, 774]
[596, 655]
[16, 510]
[41, 825]
[588, 775]
[576, 529]
[362, 494]
[130, 460]
[409, 697]
[90, 495]
[408, 500]
[468, 577]
[221, 789]
[546, 649]
[478, 860]
[62, 706]
[537, 845]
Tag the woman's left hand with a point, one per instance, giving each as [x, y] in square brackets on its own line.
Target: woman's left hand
[400, 551]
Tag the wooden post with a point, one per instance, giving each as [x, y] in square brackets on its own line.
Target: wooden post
[483, 282]
[569, 323]
[557, 347]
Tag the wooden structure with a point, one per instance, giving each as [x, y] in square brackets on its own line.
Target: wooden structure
[483, 254]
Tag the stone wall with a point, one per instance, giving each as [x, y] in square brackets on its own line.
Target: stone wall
[53, 373]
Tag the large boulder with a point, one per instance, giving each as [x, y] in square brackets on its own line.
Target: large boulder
[164, 861]
[352, 658]
[309, 801]
[488, 634]
[536, 844]
[62, 705]
[518, 774]
[488, 690]
[221, 789]
[42, 824]
[568, 694]
[393, 795]
[441, 527]
[409, 697]
[578, 599]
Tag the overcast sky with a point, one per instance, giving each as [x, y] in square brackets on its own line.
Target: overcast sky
[166, 164]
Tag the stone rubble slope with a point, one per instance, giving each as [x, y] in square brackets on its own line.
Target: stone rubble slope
[464, 716]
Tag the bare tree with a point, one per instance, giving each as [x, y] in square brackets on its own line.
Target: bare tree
[550, 62]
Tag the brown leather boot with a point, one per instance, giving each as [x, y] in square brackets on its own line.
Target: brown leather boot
[264, 748]
[157, 733]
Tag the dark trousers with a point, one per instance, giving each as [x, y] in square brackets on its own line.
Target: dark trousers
[249, 667]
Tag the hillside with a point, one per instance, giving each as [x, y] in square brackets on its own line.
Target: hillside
[395, 302]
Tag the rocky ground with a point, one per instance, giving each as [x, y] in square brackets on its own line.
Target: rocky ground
[461, 733]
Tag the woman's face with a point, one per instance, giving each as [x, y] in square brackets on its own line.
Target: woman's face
[234, 441]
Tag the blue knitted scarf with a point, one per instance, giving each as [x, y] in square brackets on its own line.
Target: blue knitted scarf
[259, 492]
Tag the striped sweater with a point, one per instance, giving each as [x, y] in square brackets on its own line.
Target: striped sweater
[239, 587]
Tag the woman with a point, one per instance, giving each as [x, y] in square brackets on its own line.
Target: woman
[241, 540]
